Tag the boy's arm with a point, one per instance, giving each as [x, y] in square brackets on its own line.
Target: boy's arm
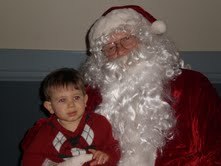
[111, 146]
[31, 145]
[113, 150]
[29, 159]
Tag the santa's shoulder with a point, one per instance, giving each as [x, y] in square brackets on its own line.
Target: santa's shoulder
[188, 75]
[191, 82]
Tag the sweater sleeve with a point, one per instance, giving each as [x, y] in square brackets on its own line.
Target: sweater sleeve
[112, 147]
[33, 144]
[197, 139]
[107, 143]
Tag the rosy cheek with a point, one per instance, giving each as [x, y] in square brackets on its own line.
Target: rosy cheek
[123, 52]
[112, 56]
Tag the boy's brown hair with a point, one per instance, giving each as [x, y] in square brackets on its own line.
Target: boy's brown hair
[62, 77]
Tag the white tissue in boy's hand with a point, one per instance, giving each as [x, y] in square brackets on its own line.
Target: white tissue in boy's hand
[77, 160]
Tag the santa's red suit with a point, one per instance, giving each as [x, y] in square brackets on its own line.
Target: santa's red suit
[161, 113]
[197, 139]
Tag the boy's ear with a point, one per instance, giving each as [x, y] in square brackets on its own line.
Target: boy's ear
[85, 99]
[48, 106]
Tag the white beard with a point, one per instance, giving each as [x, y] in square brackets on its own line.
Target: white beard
[133, 99]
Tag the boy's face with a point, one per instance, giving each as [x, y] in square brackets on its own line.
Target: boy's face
[67, 103]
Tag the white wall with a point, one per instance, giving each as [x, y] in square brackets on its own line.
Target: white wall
[62, 24]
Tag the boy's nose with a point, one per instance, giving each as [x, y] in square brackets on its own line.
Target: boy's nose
[71, 104]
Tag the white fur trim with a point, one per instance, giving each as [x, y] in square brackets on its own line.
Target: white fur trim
[114, 19]
[158, 27]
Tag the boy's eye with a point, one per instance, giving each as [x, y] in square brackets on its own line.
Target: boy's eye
[61, 100]
[76, 97]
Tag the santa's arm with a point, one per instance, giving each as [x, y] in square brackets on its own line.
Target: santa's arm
[199, 132]
[205, 146]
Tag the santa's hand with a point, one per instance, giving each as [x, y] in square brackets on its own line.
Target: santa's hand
[77, 161]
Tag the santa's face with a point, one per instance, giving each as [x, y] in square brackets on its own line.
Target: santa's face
[130, 47]
[120, 44]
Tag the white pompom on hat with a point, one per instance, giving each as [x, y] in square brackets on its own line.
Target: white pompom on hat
[124, 15]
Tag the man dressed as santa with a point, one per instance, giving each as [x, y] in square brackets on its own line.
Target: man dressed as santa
[161, 113]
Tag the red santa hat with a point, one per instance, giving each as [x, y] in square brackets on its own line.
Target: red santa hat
[124, 15]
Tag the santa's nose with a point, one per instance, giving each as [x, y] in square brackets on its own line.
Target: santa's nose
[120, 50]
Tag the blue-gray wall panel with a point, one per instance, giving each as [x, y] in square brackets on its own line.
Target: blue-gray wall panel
[33, 65]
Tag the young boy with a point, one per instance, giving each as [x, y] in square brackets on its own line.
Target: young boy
[71, 135]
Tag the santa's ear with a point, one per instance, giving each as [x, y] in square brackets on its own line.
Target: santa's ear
[47, 105]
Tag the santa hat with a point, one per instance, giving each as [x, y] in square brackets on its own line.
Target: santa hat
[120, 15]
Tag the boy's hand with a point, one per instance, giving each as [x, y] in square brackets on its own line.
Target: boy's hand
[99, 157]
